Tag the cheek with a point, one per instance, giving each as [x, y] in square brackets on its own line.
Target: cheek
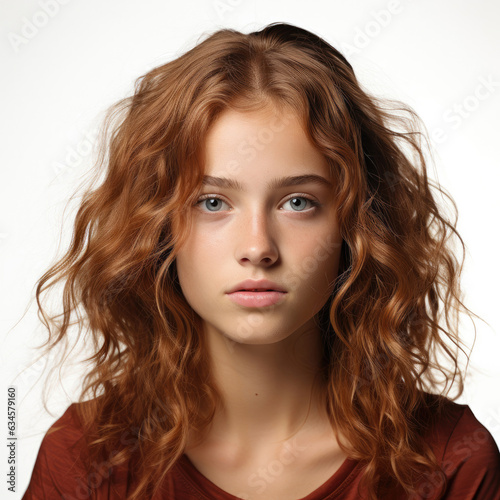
[328, 256]
[206, 242]
[319, 251]
[191, 278]
[321, 264]
[186, 262]
[197, 262]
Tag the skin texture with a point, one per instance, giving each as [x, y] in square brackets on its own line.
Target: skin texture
[264, 359]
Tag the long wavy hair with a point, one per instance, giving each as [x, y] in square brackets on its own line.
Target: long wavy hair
[396, 300]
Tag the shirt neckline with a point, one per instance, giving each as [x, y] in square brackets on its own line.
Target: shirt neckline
[209, 490]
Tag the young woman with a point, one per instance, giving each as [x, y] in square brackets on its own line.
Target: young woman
[265, 275]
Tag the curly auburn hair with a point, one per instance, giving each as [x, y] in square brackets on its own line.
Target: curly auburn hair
[398, 276]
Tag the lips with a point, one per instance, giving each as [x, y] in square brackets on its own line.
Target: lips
[257, 286]
[247, 298]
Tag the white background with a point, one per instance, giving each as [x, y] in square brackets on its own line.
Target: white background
[63, 69]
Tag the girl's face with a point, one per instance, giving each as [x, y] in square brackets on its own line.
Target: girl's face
[257, 219]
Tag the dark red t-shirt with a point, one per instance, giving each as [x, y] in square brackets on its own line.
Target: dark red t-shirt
[465, 447]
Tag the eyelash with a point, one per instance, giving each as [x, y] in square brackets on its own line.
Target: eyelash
[313, 202]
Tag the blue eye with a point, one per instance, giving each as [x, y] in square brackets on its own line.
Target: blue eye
[212, 198]
[296, 202]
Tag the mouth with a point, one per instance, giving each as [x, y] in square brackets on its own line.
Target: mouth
[257, 297]
[256, 286]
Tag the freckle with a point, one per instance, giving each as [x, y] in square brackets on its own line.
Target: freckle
[256, 394]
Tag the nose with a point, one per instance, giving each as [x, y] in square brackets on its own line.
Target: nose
[256, 241]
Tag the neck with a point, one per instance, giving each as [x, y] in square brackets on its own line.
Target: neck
[269, 391]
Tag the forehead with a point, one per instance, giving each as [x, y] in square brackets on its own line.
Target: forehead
[265, 142]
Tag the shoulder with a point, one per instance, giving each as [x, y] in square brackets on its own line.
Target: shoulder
[67, 429]
[466, 450]
[59, 467]
[456, 434]
[65, 437]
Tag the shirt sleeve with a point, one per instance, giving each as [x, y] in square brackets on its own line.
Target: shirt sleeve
[471, 461]
[58, 471]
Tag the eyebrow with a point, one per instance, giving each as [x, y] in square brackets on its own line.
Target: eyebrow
[277, 183]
